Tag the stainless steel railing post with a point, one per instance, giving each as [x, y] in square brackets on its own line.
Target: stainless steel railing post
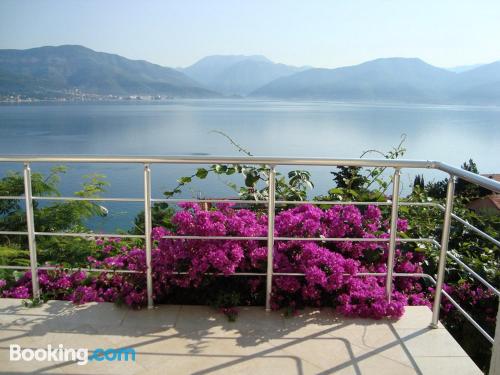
[393, 233]
[30, 223]
[445, 236]
[270, 234]
[147, 232]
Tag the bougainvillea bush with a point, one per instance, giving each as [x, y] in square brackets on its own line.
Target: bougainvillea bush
[330, 268]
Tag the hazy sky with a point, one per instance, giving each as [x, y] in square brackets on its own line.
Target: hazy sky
[318, 33]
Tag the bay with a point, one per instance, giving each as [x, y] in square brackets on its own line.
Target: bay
[451, 134]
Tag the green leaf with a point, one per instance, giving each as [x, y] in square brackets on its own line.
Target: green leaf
[201, 173]
[219, 168]
[251, 179]
[184, 180]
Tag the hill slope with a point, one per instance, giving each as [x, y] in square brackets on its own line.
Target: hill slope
[478, 86]
[53, 70]
[392, 79]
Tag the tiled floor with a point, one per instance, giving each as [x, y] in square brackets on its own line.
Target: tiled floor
[198, 340]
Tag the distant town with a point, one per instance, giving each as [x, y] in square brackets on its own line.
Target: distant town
[79, 96]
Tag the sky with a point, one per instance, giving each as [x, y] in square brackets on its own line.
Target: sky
[326, 34]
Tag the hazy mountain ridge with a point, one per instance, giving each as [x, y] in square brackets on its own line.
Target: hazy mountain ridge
[237, 74]
[52, 70]
[390, 79]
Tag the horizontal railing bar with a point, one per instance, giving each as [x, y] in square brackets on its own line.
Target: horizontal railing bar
[486, 236]
[388, 163]
[107, 235]
[47, 268]
[474, 273]
[189, 159]
[477, 230]
[429, 204]
[11, 197]
[353, 239]
[398, 274]
[298, 274]
[244, 274]
[332, 239]
[328, 239]
[243, 201]
[469, 318]
[50, 268]
[387, 203]
[239, 238]
[88, 199]
[237, 201]
[193, 200]
[462, 311]
[15, 233]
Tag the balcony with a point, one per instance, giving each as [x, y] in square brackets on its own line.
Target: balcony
[188, 339]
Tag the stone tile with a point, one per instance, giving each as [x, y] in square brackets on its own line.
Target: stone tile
[203, 319]
[183, 365]
[357, 345]
[14, 315]
[446, 365]
[378, 364]
[312, 319]
[26, 368]
[105, 316]
[430, 342]
[122, 368]
[132, 339]
[229, 362]
[346, 349]
[255, 320]
[322, 351]
[275, 364]
[415, 317]
[148, 321]
[72, 340]
[15, 305]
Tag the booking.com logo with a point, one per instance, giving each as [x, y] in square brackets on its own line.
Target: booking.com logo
[61, 354]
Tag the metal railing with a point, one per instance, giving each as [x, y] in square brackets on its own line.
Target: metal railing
[271, 203]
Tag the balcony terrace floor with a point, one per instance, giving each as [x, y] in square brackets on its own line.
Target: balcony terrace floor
[172, 339]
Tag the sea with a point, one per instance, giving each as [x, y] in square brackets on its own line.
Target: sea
[451, 134]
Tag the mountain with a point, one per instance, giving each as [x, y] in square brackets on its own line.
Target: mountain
[55, 70]
[478, 86]
[50, 72]
[208, 68]
[407, 80]
[237, 74]
[391, 79]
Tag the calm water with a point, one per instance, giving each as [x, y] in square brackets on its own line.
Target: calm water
[451, 134]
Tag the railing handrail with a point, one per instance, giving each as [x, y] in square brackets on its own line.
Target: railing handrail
[269, 160]
[474, 178]
[195, 159]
